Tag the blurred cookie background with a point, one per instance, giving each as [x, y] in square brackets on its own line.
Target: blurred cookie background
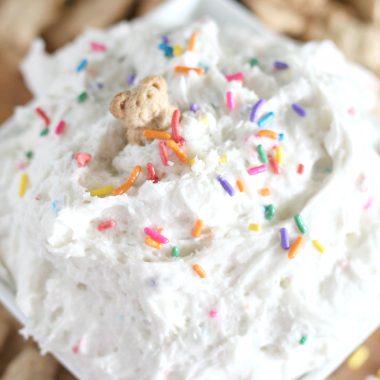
[354, 25]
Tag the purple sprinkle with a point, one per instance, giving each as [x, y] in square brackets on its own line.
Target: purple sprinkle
[194, 107]
[165, 39]
[226, 185]
[285, 243]
[255, 108]
[299, 110]
[281, 65]
[131, 79]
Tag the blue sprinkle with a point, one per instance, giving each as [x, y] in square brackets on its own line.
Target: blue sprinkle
[226, 185]
[194, 107]
[55, 207]
[162, 46]
[255, 108]
[299, 110]
[131, 79]
[265, 119]
[281, 136]
[82, 65]
[168, 51]
[281, 65]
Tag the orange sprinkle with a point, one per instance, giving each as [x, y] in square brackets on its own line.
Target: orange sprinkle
[240, 185]
[160, 135]
[197, 229]
[152, 243]
[199, 270]
[265, 191]
[192, 41]
[268, 133]
[295, 247]
[178, 151]
[129, 182]
[187, 69]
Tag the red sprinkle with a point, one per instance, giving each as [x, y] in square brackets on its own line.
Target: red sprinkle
[40, 112]
[60, 128]
[175, 125]
[151, 173]
[274, 165]
[106, 225]
[97, 46]
[82, 159]
[300, 168]
[164, 153]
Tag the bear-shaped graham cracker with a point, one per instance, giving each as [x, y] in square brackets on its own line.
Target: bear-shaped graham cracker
[144, 107]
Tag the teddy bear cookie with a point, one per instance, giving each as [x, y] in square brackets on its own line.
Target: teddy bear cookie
[144, 107]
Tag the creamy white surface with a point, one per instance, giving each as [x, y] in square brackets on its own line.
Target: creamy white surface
[138, 312]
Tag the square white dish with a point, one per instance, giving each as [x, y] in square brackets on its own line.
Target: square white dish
[225, 12]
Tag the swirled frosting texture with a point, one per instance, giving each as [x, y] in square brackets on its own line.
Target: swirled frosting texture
[120, 309]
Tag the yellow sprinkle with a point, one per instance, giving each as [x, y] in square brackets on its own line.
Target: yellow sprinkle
[358, 357]
[254, 227]
[102, 191]
[199, 270]
[318, 246]
[265, 191]
[152, 243]
[177, 50]
[204, 119]
[279, 154]
[223, 159]
[193, 160]
[24, 182]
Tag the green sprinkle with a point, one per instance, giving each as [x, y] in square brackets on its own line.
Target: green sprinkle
[262, 154]
[82, 97]
[300, 224]
[44, 132]
[270, 210]
[303, 340]
[29, 155]
[175, 252]
[253, 62]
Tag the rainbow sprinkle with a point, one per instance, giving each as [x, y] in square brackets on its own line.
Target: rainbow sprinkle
[131, 79]
[262, 154]
[230, 101]
[318, 246]
[298, 110]
[264, 120]
[192, 41]
[154, 134]
[265, 191]
[269, 212]
[82, 97]
[178, 151]
[257, 169]
[303, 340]
[102, 191]
[274, 165]
[129, 182]
[255, 109]
[151, 173]
[163, 153]
[279, 154]
[253, 62]
[300, 168]
[226, 185]
[294, 248]
[82, 159]
[29, 154]
[152, 243]
[300, 223]
[97, 46]
[254, 227]
[194, 107]
[156, 236]
[197, 229]
[238, 77]
[285, 243]
[82, 65]
[240, 185]
[106, 225]
[199, 270]
[213, 313]
[24, 183]
[268, 133]
[176, 252]
[40, 112]
[175, 125]
[44, 132]
[187, 69]
[60, 128]
[279, 65]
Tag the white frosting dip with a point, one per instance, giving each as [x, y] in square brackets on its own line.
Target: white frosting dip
[123, 310]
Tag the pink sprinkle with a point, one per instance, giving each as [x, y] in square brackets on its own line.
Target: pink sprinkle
[82, 159]
[76, 347]
[59, 129]
[213, 313]
[257, 169]
[175, 125]
[230, 100]
[151, 173]
[164, 153]
[156, 235]
[352, 111]
[40, 112]
[238, 76]
[97, 46]
[368, 203]
[106, 225]
[274, 165]
[21, 165]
